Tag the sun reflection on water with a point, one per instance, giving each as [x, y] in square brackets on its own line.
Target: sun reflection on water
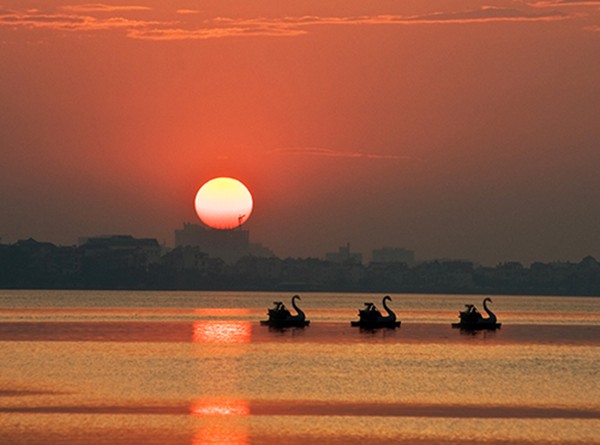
[221, 332]
[220, 408]
[221, 422]
[217, 436]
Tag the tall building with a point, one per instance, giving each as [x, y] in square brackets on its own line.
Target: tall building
[130, 250]
[394, 255]
[343, 255]
[229, 245]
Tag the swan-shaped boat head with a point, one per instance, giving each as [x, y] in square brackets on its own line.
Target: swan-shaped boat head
[280, 316]
[471, 319]
[371, 318]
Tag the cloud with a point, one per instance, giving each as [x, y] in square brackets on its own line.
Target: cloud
[593, 28]
[221, 27]
[326, 152]
[33, 19]
[558, 3]
[188, 11]
[100, 7]
[78, 18]
[481, 15]
[488, 14]
[212, 33]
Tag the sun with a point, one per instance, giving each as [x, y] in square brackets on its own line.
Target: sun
[224, 203]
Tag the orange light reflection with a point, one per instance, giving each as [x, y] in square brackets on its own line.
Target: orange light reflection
[220, 408]
[221, 332]
[217, 431]
[221, 313]
[215, 435]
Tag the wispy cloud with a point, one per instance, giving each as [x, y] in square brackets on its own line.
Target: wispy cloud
[484, 14]
[212, 33]
[69, 22]
[188, 11]
[84, 17]
[559, 3]
[294, 26]
[326, 152]
[101, 7]
[481, 15]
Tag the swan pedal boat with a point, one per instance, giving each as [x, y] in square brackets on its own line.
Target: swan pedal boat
[371, 318]
[280, 316]
[472, 320]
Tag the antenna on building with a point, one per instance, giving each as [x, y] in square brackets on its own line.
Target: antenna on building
[240, 218]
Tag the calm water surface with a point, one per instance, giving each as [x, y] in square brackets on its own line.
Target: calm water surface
[197, 368]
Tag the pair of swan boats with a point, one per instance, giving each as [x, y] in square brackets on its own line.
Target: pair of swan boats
[371, 318]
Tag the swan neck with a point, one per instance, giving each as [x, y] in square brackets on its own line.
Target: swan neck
[489, 312]
[297, 309]
[388, 310]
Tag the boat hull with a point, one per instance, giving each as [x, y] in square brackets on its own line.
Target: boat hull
[364, 325]
[477, 327]
[285, 324]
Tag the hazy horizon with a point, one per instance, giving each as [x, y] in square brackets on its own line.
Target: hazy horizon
[464, 130]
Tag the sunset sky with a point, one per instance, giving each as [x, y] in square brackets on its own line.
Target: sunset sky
[459, 129]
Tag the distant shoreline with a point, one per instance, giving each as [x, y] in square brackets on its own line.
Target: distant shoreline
[36, 265]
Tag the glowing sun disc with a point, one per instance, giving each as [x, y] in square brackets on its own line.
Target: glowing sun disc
[223, 203]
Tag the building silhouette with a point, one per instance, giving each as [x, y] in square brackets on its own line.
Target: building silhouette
[394, 255]
[343, 255]
[124, 249]
[229, 245]
[125, 262]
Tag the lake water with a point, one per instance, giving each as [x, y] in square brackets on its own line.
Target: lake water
[197, 368]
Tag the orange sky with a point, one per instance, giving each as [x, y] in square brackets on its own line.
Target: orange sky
[459, 129]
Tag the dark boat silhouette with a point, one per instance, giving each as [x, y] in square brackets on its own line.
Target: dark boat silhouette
[472, 320]
[280, 316]
[371, 318]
